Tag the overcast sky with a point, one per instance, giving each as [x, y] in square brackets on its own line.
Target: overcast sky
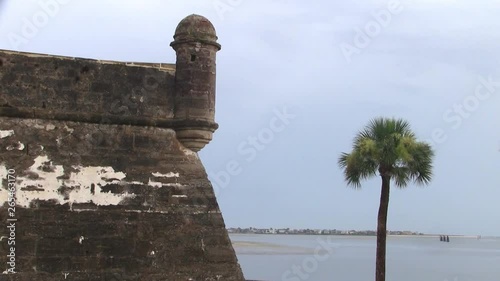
[301, 79]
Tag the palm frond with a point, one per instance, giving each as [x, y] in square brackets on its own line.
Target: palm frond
[357, 167]
[421, 166]
[401, 176]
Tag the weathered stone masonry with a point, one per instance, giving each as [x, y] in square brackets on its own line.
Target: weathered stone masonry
[109, 184]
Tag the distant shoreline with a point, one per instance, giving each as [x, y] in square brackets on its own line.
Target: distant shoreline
[438, 235]
[361, 235]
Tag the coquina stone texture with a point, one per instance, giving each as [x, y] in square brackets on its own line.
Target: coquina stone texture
[109, 185]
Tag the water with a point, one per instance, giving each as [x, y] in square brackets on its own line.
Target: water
[352, 258]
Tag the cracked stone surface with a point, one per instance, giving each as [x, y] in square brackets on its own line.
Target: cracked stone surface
[138, 205]
[109, 186]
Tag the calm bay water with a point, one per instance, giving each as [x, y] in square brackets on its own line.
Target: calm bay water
[351, 258]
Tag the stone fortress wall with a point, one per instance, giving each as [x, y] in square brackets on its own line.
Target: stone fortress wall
[103, 157]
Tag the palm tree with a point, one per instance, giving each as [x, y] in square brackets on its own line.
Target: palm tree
[387, 147]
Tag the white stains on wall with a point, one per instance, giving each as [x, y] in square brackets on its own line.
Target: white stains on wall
[83, 210]
[19, 146]
[155, 183]
[70, 130]
[169, 175]
[80, 241]
[189, 152]
[161, 184]
[3, 192]
[86, 179]
[45, 181]
[3, 171]
[83, 186]
[173, 212]
[107, 174]
[6, 133]
[37, 126]
[179, 196]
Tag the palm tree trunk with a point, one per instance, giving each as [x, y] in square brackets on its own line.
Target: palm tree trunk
[382, 229]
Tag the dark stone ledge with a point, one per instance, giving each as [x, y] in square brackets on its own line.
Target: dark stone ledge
[107, 119]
